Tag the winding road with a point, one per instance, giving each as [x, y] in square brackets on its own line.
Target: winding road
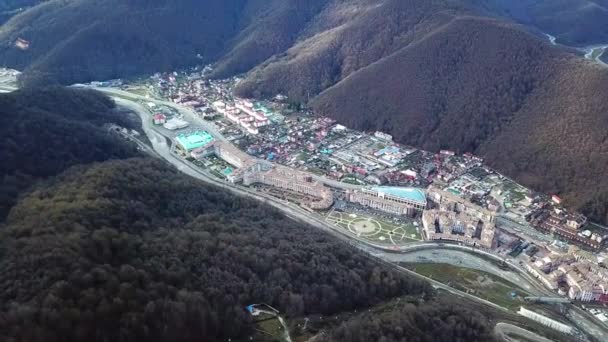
[376, 252]
[379, 253]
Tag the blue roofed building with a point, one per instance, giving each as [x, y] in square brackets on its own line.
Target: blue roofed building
[390, 199]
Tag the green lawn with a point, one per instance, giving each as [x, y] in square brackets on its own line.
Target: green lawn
[383, 231]
[478, 283]
[268, 329]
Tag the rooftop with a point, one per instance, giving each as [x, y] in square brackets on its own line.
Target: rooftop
[412, 194]
[194, 140]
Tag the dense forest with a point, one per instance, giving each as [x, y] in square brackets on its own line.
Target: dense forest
[460, 75]
[535, 116]
[45, 131]
[409, 322]
[76, 41]
[572, 22]
[132, 250]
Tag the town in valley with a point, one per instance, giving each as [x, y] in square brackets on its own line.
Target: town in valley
[386, 195]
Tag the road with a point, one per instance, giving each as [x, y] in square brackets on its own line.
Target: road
[289, 209]
[465, 259]
[590, 53]
[190, 115]
[376, 252]
[587, 323]
[507, 331]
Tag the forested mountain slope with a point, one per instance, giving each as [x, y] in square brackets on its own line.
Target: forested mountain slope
[74, 41]
[134, 251]
[9, 8]
[532, 110]
[456, 74]
[410, 322]
[45, 131]
[572, 22]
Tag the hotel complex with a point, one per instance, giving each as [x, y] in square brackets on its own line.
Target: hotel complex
[250, 170]
[394, 200]
[295, 181]
[453, 218]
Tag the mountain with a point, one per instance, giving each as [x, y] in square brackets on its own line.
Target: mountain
[531, 109]
[572, 22]
[84, 40]
[132, 250]
[73, 41]
[9, 8]
[46, 131]
[461, 82]
[473, 76]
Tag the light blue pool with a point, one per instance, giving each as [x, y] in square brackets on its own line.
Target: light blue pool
[412, 194]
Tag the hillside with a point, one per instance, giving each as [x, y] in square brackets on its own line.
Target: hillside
[45, 131]
[69, 38]
[9, 8]
[572, 22]
[134, 251]
[462, 75]
[75, 41]
[535, 115]
[489, 87]
[344, 38]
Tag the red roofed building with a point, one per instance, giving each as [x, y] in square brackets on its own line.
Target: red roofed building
[159, 119]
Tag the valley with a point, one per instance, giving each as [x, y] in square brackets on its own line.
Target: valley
[222, 131]
[299, 171]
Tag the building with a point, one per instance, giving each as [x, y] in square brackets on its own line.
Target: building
[453, 218]
[22, 44]
[159, 119]
[196, 140]
[568, 226]
[551, 323]
[587, 282]
[175, 124]
[250, 170]
[295, 181]
[383, 136]
[394, 200]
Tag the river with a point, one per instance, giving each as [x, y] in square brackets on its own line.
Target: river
[592, 52]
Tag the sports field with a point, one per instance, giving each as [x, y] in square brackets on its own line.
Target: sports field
[374, 229]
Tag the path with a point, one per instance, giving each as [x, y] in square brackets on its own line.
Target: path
[505, 331]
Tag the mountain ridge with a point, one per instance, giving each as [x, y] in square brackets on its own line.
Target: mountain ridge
[325, 53]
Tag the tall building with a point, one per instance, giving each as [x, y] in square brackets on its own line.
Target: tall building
[295, 181]
[453, 218]
[251, 171]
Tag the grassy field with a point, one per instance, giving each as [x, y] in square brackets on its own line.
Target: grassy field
[268, 329]
[374, 229]
[481, 284]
